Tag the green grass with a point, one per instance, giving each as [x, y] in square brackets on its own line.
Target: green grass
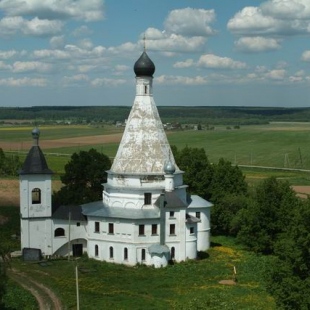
[188, 285]
[251, 145]
[25, 300]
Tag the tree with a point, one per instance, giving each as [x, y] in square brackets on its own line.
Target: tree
[224, 212]
[260, 224]
[5, 258]
[228, 191]
[83, 178]
[227, 180]
[288, 277]
[9, 165]
[3, 281]
[198, 170]
[223, 184]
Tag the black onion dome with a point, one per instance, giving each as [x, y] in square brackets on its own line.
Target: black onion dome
[144, 66]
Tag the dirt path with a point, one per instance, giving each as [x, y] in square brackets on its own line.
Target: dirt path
[46, 299]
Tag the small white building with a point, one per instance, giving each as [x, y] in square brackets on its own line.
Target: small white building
[145, 215]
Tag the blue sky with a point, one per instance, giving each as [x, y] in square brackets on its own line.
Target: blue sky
[213, 53]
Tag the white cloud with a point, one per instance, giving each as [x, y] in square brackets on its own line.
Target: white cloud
[277, 74]
[40, 82]
[272, 17]
[181, 80]
[107, 82]
[8, 54]
[217, 62]
[88, 10]
[190, 22]
[82, 31]
[127, 47]
[4, 66]
[250, 20]
[295, 79]
[257, 44]
[264, 74]
[28, 66]
[72, 52]
[300, 73]
[85, 68]
[305, 56]
[75, 79]
[52, 54]
[153, 34]
[287, 9]
[184, 64]
[57, 42]
[34, 27]
[86, 44]
[121, 68]
[165, 42]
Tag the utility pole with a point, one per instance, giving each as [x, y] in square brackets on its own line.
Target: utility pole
[77, 287]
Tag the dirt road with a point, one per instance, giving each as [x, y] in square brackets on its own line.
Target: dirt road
[46, 299]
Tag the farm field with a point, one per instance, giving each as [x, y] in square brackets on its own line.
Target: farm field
[281, 145]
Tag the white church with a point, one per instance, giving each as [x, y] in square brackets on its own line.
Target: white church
[145, 215]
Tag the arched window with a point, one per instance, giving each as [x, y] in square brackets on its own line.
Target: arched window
[96, 250]
[36, 196]
[59, 232]
[111, 252]
[143, 255]
[145, 89]
[172, 253]
[125, 254]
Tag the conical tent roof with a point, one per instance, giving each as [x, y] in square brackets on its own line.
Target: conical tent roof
[35, 162]
[144, 147]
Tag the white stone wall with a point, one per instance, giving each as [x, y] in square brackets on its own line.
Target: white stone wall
[203, 228]
[129, 199]
[191, 241]
[37, 233]
[76, 232]
[27, 184]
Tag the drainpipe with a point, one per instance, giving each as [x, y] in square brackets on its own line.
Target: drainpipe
[162, 219]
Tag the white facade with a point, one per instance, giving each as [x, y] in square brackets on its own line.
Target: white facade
[145, 215]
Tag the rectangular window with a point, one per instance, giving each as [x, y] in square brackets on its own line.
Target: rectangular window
[172, 229]
[147, 198]
[97, 227]
[171, 214]
[198, 215]
[154, 229]
[191, 230]
[141, 230]
[111, 228]
[36, 196]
